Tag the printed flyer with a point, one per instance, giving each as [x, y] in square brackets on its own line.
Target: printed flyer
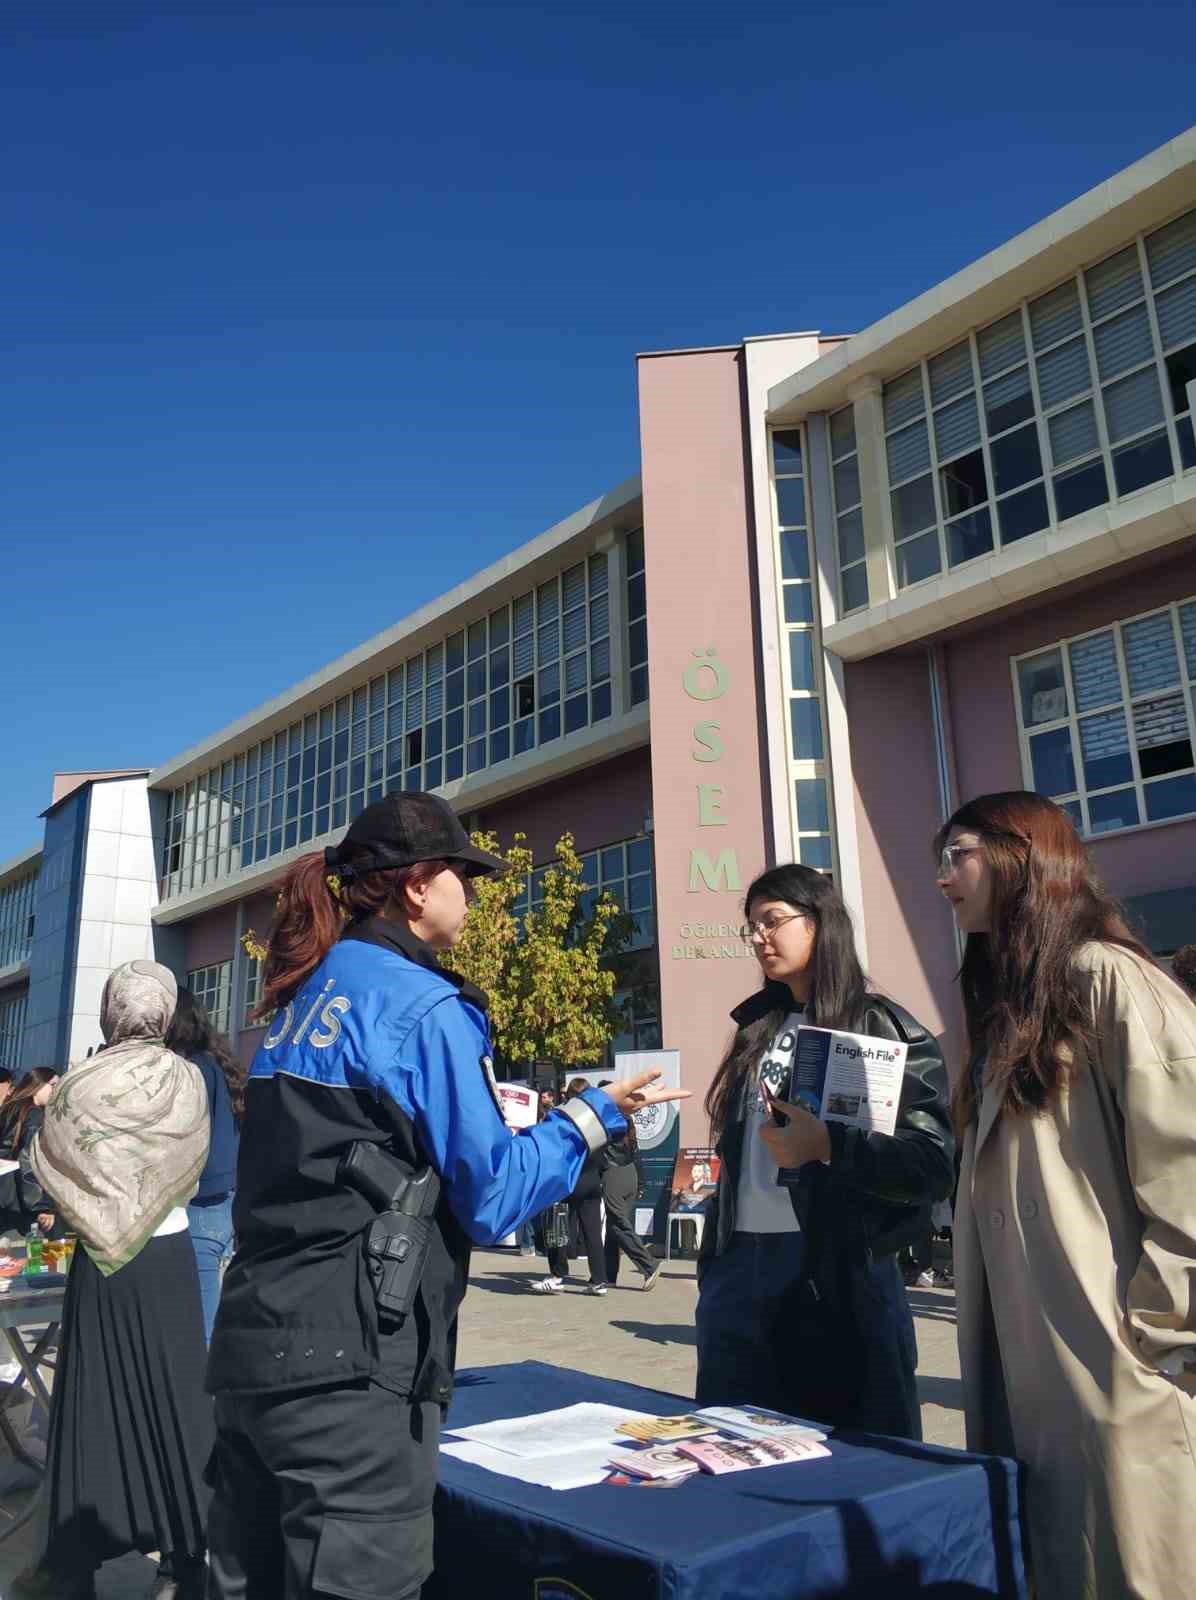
[849, 1077]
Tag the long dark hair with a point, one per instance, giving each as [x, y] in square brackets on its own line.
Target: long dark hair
[19, 1105]
[311, 915]
[192, 1033]
[837, 994]
[1025, 1011]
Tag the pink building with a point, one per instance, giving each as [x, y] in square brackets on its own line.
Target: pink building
[867, 576]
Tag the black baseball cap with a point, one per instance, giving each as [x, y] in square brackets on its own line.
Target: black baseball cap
[403, 828]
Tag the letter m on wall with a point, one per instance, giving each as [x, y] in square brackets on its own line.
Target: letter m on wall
[720, 874]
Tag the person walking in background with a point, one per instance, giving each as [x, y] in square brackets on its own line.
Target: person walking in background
[21, 1118]
[585, 1217]
[120, 1153]
[1075, 1218]
[801, 1306]
[1183, 969]
[622, 1182]
[210, 1214]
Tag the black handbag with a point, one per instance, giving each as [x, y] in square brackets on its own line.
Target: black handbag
[554, 1227]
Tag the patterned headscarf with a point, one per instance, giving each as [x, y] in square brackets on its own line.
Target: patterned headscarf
[125, 1136]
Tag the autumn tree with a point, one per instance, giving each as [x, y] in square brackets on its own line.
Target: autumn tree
[547, 973]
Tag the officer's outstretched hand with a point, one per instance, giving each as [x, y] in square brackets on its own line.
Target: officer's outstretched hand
[630, 1094]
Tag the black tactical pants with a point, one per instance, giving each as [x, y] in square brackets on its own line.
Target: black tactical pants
[322, 1493]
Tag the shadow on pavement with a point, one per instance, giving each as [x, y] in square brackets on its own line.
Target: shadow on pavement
[924, 1303]
[945, 1392]
[659, 1332]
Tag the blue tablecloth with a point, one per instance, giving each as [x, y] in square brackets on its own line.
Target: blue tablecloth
[881, 1518]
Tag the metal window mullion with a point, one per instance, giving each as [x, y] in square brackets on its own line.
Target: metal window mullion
[1187, 681]
[1073, 723]
[1094, 381]
[1135, 765]
[1044, 439]
[936, 487]
[982, 423]
[1160, 365]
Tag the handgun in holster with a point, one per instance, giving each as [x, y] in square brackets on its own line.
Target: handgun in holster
[400, 1237]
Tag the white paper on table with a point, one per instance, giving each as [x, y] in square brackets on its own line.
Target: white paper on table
[551, 1433]
[573, 1469]
[643, 1219]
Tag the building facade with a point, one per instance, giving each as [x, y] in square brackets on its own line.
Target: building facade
[858, 580]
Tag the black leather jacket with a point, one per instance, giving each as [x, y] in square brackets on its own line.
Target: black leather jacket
[873, 1197]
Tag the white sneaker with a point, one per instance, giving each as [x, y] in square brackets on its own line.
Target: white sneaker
[924, 1280]
[651, 1277]
[595, 1288]
[546, 1286]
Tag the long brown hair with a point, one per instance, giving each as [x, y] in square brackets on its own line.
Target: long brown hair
[837, 995]
[192, 1033]
[311, 915]
[19, 1105]
[1025, 1011]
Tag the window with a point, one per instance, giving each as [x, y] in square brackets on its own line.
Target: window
[253, 993]
[641, 1021]
[16, 919]
[13, 1010]
[637, 618]
[622, 870]
[800, 639]
[1108, 721]
[1062, 405]
[522, 676]
[212, 987]
[849, 513]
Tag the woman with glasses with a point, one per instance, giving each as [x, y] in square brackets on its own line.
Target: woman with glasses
[801, 1306]
[1075, 1223]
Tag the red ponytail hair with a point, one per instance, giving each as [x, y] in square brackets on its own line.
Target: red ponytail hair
[311, 915]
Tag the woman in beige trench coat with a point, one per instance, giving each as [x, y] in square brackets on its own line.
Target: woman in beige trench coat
[1075, 1226]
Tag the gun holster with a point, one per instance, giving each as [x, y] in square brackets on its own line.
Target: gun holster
[399, 1238]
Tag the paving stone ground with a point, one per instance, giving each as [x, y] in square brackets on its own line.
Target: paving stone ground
[642, 1338]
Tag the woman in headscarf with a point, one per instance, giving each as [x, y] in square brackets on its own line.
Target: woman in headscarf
[123, 1144]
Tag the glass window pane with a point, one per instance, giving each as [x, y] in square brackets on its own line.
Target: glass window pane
[1151, 661]
[1133, 404]
[1073, 434]
[806, 726]
[950, 373]
[855, 587]
[791, 502]
[1187, 627]
[801, 660]
[913, 507]
[1171, 251]
[550, 724]
[1043, 692]
[957, 427]
[969, 537]
[1114, 283]
[847, 483]
[815, 852]
[843, 432]
[639, 855]
[1055, 315]
[500, 745]
[851, 537]
[1105, 747]
[1063, 373]
[1095, 677]
[1161, 735]
[1107, 811]
[908, 452]
[525, 735]
[903, 398]
[1001, 345]
[1016, 459]
[799, 602]
[795, 555]
[1008, 400]
[1051, 762]
[918, 559]
[1173, 797]
[1122, 343]
[965, 483]
[1145, 462]
[1023, 514]
[812, 813]
[1177, 314]
[1081, 489]
[786, 450]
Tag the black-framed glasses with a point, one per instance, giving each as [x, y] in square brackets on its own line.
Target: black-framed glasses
[952, 855]
[764, 930]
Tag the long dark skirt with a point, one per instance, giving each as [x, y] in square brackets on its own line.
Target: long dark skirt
[130, 1425]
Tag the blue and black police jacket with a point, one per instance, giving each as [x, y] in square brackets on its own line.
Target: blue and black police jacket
[382, 1044]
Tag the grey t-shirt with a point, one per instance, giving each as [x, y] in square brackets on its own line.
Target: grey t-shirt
[761, 1204]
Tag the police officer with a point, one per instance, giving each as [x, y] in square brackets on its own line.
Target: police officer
[373, 1151]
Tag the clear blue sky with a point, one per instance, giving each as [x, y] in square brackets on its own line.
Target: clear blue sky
[310, 310]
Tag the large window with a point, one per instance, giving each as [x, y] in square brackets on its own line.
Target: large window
[1108, 721]
[16, 919]
[212, 987]
[801, 652]
[622, 870]
[849, 513]
[637, 618]
[13, 1009]
[530, 672]
[1068, 402]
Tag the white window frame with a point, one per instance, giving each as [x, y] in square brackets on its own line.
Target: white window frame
[214, 992]
[1080, 796]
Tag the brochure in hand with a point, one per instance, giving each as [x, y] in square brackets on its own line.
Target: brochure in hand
[738, 1455]
[852, 1078]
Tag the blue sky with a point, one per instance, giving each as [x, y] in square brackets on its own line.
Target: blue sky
[310, 310]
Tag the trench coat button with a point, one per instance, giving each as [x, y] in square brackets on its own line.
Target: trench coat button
[278, 1355]
[309, 1354]
[1029, 1210]
[997, 1219]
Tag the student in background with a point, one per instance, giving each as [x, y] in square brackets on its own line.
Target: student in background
[622, 1180]
[1075, 1220]
[210, 1213]
[801, 1306]
[585, 1211]
[21, 1118]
